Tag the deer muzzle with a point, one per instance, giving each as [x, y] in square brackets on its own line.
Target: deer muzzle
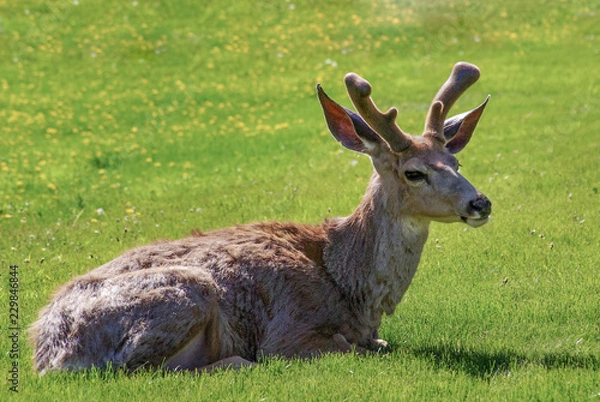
[479, 211]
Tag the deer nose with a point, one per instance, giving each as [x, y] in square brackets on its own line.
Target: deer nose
[482, 205]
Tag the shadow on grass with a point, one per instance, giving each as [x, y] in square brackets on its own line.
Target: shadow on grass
[484, 365]
[477, 364]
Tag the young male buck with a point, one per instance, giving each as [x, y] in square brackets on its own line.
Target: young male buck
[230, 296]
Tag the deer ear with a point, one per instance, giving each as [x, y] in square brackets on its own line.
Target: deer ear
[459, 129]
[347, 127]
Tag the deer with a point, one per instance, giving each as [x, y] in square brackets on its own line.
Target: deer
[228, 298]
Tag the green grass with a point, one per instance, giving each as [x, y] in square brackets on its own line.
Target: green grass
[202, 114]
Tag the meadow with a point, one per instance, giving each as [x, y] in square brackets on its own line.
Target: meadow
[124, 122]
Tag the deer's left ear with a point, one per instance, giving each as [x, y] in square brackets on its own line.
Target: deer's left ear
[347, 127]
[459, 129]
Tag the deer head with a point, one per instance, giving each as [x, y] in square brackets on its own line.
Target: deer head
[418, 174]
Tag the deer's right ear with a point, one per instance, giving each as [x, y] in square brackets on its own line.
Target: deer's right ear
[347, 127]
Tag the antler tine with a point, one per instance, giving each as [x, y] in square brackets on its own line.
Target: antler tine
[462, 77]
[383, 123]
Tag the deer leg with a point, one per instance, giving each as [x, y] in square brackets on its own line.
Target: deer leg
[174, 322]
[377, 344]
[337, 343]
[374, 345]
[345, 346]
[203, 349]
[342, 343]
[229, 363]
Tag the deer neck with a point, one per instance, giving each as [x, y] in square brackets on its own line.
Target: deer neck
[373, 254]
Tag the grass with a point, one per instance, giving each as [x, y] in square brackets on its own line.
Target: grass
[123, 122]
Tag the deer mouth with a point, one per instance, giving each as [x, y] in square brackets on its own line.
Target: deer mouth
[475, 222]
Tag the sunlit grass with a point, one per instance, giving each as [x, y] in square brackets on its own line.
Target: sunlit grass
[123, 122]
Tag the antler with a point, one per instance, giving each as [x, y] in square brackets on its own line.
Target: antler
[383, 123]
[462, 77]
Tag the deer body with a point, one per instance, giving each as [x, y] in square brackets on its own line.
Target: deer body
[230, 296]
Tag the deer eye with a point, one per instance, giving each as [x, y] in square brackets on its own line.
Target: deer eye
[414, 175]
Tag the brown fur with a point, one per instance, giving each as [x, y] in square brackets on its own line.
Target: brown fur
[227, 297]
